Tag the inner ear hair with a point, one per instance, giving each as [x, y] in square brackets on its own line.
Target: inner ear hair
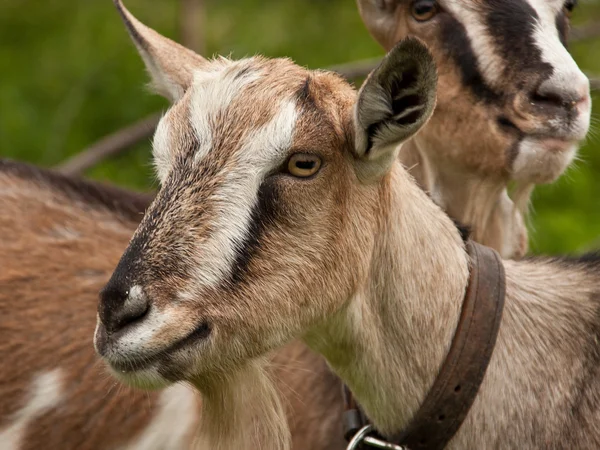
[398, 97]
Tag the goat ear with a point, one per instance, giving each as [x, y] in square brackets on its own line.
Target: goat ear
[171, 66]
[381, 19]
[393, 104]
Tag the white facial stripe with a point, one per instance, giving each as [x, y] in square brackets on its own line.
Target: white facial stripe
[46, 393]
[566, 74]
[213, 90]
[212, 93]
[161, 148]
[490, 65]
[258, 153]
[542, 161]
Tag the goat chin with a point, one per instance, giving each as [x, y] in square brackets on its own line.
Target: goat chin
[243, 411]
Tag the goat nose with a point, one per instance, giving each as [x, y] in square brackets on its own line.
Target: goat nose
[120, 306]
[561, 96]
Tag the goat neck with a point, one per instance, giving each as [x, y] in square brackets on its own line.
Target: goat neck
[388, 343]
[478, 201]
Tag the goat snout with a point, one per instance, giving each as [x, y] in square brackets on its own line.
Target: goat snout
[121, 306]
[552, 110]
[565, 97]
[564, 92]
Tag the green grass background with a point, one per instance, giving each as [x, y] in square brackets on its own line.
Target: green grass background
[69, 76]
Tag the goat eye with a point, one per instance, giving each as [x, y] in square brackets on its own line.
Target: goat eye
[303, 165]
[569, 7]
[424, 10]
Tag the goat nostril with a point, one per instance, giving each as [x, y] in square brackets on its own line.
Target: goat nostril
[555, 98]
[131, 312]
[549, 98]
[120, 306]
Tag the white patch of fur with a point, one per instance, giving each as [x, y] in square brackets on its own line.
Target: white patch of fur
[145, 332]
[148, 378]
[213, 89]
[212, 93]
[173, 426]
[261, 150]
[45, 393]
[535, 163]
[162, 150]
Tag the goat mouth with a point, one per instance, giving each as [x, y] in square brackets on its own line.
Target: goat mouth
[557, 141]
[131, 364]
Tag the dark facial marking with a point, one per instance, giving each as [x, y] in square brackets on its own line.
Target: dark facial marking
[458, 46]
[263, 215]
[146, 254]
[129, 270]
[510, 128]
[511, 23]
[305, 97]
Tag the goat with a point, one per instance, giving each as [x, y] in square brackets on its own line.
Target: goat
[512, 105]
[67, 423]
[284, 213]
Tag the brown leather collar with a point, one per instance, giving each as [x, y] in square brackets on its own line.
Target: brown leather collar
[448, 402]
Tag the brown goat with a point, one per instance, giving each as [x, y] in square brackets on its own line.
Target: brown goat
[284, 213]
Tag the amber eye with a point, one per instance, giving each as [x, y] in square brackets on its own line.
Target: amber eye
[303, 165]
[569, 7]
[424, 10]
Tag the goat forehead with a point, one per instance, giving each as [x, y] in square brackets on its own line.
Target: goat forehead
[225, 103]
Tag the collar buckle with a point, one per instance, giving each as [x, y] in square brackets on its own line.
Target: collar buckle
[362, 437]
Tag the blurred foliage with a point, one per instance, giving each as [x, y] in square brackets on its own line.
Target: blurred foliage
[71, 76]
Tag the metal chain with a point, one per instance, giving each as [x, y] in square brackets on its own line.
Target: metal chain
[362, 437]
